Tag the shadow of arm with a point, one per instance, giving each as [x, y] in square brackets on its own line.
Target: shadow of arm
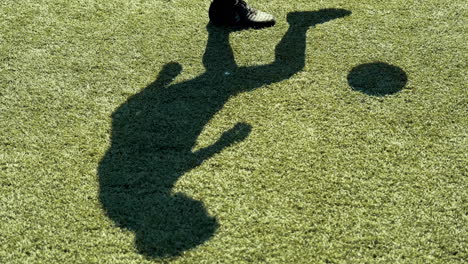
[166, 75]
[236, 134]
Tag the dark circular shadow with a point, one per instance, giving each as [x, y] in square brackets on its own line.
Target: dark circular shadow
[377, 79]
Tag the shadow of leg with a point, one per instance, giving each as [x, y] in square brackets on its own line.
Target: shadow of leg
[290, 52]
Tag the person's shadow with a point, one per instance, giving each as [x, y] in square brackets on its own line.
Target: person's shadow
[153, 134]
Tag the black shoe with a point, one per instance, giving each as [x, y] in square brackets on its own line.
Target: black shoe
[237, 13]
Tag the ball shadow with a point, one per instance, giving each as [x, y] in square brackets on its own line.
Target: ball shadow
[377, 79]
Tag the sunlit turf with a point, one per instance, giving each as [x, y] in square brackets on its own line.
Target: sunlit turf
[320, 167]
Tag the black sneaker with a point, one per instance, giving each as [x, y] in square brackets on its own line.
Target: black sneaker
[238, 13]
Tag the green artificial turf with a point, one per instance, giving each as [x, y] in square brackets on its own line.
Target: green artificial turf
[134, 132]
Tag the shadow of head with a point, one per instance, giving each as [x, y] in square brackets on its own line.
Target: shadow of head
[377, 79]
[178, 224]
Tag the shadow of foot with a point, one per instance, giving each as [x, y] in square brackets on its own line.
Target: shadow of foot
[312, 18]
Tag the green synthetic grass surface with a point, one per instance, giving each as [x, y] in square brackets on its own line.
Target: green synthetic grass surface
[101, 163]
